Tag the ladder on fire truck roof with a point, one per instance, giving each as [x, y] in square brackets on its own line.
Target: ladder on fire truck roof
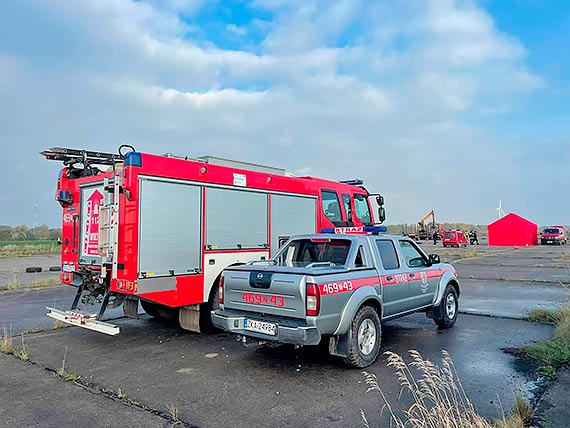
[109, 224]
[69, 156]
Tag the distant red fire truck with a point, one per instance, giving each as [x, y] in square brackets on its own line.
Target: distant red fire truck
[160, 229]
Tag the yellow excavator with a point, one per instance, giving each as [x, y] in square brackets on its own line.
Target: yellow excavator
[423, 231]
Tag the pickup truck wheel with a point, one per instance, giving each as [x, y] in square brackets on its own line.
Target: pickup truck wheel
[206, 309]
[366, 338]
[449, 308]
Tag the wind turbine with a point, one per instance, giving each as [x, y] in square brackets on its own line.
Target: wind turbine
[500, 208]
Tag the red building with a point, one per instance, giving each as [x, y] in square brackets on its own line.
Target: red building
[512, 230]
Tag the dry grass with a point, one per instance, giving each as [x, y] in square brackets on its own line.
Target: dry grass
[520, 418]
[6, 343]
[15, 283]
[70, 377]
[438, 398]
[28, 249]
[23, 354]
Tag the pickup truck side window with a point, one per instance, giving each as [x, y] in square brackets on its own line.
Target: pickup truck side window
[387, 254]
[331, 206]
[412, 256]
[362, 209]
[360, 260]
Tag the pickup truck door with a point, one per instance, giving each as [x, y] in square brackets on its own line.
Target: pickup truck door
[393, 277]
[422, 287]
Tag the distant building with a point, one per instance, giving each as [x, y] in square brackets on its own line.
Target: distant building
[512, 230]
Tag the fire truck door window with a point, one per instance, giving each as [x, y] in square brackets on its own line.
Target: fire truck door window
[170, 229]
[236, 219]
[291, 215]
[387, 254]
[331, 207]
[347, 209]
[362, 209]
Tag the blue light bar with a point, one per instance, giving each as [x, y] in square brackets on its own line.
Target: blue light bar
[355, 182]
[133, 159]
[327, 230]
[375, 229]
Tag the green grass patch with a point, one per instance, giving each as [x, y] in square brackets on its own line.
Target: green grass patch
[9, 249]
[554, 353]
[546, 316]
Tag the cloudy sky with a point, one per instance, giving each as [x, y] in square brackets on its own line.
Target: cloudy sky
[445, 105]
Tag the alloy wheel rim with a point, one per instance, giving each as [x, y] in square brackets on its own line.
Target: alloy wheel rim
[450, 306]
[366, 337]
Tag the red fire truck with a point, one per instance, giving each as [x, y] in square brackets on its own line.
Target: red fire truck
[160, 229]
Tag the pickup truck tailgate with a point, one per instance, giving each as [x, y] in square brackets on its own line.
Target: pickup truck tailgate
[264, 291]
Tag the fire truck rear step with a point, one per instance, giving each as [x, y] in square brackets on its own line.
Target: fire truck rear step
[88, 321]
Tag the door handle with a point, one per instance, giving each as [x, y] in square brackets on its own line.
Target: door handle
[412, 275]
[389, 278]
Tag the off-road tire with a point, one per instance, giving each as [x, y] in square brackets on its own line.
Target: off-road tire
[356, 358]
[448, 321]
[206, 324]
[33, 269]
[156, 310]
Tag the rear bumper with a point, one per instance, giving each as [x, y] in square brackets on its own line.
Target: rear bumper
[293, 334]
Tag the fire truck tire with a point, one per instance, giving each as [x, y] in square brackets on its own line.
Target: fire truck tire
[449, 308]
[206, 324]
[34, 269]
[365, 338]
[159, 311]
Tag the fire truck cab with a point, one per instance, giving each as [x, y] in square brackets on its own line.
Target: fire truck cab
[161, 229]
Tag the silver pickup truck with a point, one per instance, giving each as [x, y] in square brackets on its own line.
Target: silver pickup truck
[337, 288]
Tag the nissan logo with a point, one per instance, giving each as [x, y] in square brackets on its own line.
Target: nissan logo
[260, 276]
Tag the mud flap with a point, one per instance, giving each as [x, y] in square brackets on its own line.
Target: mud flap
[340, 345]
[435, 313]
[131, 308]
[189, 318]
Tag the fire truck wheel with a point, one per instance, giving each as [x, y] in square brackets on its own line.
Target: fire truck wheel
[34, 269]
[366, 338]
[206, 309]
[159, 311]
[449, 308]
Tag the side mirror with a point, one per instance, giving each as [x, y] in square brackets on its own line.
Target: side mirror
[381, 214]
[380, 200]
[434, 259]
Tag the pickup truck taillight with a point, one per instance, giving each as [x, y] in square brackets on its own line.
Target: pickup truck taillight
[221, 290]
[313, 302]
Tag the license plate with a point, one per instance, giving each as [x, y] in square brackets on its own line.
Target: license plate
[68, 268]
[260, 327]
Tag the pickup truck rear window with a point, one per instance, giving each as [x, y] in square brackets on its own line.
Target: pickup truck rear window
[303, 252]
[387, 254]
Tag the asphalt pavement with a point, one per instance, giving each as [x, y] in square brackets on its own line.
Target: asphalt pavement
[213, 381]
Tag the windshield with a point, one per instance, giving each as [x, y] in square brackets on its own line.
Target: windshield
[305, 252]
[552, 231]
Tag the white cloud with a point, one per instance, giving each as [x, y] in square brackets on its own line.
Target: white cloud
[389, 105]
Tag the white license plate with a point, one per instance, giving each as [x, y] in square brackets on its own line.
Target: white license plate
[68, 268]
[260, 327]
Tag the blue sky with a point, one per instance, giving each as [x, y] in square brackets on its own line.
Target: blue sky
[437, 104]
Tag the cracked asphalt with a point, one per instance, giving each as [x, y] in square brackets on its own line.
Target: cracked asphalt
[153, 369]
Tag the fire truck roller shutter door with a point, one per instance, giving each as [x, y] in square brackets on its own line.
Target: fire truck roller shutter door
[170, 228]
[291, 215]
[236, 219]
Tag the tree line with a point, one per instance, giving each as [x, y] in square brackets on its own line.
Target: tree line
[25, 233]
